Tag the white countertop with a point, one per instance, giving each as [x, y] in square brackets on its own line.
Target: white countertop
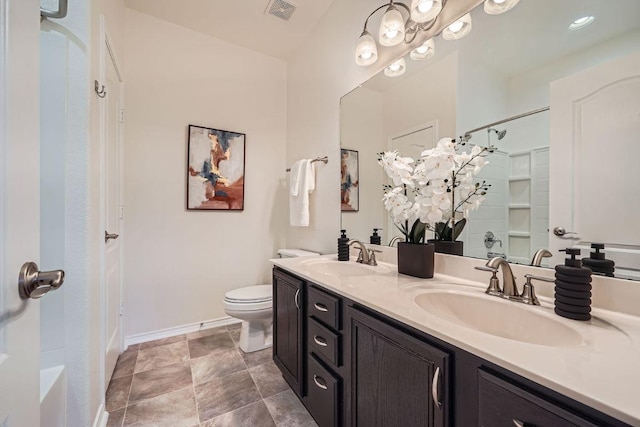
[603, 372]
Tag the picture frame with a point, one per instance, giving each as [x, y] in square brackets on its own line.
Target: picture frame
[349, 181]
[215, 169]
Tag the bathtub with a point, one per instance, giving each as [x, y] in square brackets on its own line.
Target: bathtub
[53, 397]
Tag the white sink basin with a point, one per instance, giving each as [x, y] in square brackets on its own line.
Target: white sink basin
[345, 269]
[498, 317]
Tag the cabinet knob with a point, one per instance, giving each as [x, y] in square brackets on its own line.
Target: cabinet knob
[435, 394]
[319, 382]
[321, 307]
[320, 341]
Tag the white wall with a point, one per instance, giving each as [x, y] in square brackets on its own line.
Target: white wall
[320, 72]
[178, 264]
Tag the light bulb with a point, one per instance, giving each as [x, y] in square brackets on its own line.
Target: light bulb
[425, 51]
[456, 26]
[458, 29]
[425, 6]
[496, 7]
[366, 50]
[391, 28]
[425, 10]
[396, 69]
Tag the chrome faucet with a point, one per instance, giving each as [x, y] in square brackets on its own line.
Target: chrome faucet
[363, 257]
[366, 256]
[537, 257]
[396, 239]
[509, 287]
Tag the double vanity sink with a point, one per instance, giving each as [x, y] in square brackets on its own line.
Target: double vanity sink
[469, 308]
[593, 363]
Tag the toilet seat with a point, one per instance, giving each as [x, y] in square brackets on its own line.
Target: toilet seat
[250, 298]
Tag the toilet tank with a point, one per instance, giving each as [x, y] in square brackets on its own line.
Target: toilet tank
[294, 253]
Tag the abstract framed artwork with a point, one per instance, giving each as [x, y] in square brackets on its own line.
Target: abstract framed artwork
[215, 169]
[349, 180]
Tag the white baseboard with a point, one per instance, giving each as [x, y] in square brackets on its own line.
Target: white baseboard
[179, 330]
[102, 416]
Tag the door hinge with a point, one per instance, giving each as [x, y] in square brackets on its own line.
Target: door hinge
[122, 308]
[122, 115]
[121, 212]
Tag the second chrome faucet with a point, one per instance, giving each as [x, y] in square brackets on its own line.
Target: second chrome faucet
[510, 288]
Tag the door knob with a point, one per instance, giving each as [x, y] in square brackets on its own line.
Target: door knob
[34, 284]
[108, 236]
[561, 232]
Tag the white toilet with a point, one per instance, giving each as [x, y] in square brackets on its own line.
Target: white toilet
[253, 305]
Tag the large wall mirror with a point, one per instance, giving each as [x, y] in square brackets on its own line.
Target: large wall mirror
[561, 107]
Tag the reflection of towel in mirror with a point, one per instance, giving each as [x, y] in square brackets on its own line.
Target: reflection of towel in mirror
[301, 182]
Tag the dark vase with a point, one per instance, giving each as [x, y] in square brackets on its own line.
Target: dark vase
[448, 247]
[415, 259]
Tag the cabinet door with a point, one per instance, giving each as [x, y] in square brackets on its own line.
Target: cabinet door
[396, 379]
[288, 301]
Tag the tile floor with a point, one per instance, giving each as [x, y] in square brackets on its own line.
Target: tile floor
[201, 379]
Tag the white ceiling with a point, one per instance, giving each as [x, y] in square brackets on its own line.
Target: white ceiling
[242, 22]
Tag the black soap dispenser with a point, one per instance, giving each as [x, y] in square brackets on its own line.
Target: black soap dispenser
[343, 246]
[375, 239]
[597, 261]
[573, 288]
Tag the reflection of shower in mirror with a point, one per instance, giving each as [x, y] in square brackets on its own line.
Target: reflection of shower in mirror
[500, 133]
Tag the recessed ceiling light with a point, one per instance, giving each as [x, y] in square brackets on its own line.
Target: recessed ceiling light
[581, 23]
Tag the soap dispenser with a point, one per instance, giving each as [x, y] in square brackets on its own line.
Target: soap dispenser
[343, 246]
[375, 239]
[597, 261]
[573, 288]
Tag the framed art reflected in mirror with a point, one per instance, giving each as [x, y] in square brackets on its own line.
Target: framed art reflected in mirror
[349, 181]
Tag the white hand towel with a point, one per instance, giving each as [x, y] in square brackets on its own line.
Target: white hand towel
[302, 182]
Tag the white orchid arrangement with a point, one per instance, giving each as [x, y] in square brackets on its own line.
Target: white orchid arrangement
[443, 187]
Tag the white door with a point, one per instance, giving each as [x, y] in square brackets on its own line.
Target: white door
[111, 134]
[593, 165]
[411, 143]
[19, 210]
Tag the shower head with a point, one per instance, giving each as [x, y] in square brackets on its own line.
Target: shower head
[500, 133]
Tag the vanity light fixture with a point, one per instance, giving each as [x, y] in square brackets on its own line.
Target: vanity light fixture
[396, 69]
[458, 29]
[496, 7]
[395, 29]
[425, 51]
[581, 22]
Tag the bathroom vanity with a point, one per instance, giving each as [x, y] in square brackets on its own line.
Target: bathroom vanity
[361, 346]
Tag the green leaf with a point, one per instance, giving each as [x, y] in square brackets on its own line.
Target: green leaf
[417, 232]
[458, 227]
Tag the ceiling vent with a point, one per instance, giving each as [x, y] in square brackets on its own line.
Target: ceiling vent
[280, 9]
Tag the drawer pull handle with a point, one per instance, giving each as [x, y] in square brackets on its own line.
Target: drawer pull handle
[296, 299]
[519, 423]
[320, 340]
[434, 388]
[321, 307]
[319, 382]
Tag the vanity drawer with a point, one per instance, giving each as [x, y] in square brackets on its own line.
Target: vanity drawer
[503, 404]
[323, 394]
[324, 307]
[324, 342]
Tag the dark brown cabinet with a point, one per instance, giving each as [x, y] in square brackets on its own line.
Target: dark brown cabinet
[354, 367]
[396, 379]
[288, 339]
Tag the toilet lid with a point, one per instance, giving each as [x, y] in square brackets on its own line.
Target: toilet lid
[260, 293]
